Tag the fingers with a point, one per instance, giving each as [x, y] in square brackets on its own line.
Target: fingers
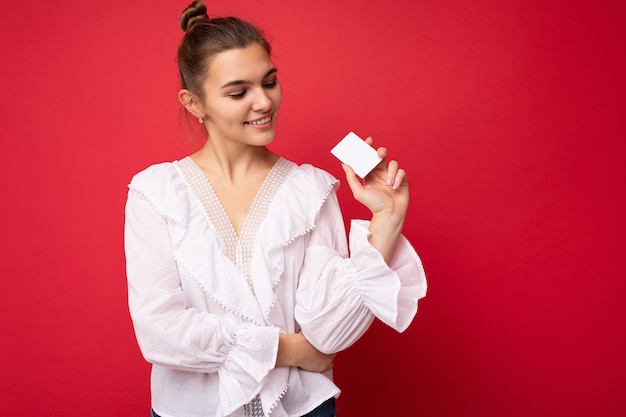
[396, 176]
[400, 179]
[392, 171]
[393, 175]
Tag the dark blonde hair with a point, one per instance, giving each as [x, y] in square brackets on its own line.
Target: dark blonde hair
[206, 37]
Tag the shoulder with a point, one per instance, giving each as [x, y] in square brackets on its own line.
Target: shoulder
[311, 177]
[164, 187]
[154, 174]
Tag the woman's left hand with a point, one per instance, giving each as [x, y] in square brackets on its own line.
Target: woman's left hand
[385, 190]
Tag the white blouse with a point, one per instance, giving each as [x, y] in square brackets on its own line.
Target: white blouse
[208, 309]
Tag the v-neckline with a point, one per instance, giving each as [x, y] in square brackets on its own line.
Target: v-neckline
[238, 248]
[254, 207]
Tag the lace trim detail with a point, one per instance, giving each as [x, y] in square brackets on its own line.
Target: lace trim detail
[254, 408]
[202, 189]
[237, 248]
[258, 212]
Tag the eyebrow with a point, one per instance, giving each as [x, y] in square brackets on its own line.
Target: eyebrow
[246, 82]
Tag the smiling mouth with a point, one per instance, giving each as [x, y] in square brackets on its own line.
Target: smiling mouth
[259, 122]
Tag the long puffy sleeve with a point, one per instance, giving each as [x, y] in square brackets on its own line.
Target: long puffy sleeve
[340, 291]
[171, 332]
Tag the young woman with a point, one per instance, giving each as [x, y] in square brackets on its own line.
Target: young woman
[241, 283]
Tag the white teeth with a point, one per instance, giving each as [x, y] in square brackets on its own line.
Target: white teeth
[261, 121]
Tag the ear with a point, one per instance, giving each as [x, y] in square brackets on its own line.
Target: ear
[192, 103]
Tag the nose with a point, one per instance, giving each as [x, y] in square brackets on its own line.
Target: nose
[262, 102]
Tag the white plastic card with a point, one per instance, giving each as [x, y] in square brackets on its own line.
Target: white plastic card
[354, 151]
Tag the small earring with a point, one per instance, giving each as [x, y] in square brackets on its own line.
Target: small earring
[201, 120]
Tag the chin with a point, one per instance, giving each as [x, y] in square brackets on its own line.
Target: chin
[265, 138]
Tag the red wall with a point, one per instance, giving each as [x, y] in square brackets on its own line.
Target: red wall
[507, 115]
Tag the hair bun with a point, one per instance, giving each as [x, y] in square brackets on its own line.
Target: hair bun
[192, 15]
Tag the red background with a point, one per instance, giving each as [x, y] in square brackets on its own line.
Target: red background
[507, 115]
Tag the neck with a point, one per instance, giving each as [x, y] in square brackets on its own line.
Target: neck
[233, 165]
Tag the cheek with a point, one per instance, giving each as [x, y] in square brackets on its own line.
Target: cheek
[227, 112]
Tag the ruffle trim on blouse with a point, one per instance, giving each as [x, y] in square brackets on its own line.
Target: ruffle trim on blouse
[242, 374]
[291, 215]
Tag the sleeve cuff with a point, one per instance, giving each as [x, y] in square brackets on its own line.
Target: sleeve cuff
[390, 291]
[251, 358]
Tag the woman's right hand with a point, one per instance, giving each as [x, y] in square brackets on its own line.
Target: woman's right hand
[295, 350]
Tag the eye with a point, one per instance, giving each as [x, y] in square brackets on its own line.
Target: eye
[271, 84]
[237, 95]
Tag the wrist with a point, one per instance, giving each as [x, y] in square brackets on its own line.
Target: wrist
[386, 223]
[287, 351]
[384, 233]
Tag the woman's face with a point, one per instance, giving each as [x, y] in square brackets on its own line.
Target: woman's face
[242, 96]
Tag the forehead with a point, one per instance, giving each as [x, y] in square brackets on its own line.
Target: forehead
[247, 64]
